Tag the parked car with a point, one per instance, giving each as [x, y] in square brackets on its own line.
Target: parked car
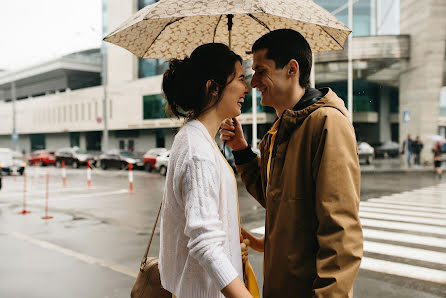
[387, 149]
[74, 156]
[42, 157]
[149, 159]
[11, 162]
[366, 153]
[162, 161]
[119, 159]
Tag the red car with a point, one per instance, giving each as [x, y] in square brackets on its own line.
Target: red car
[42, 157]
[149, 159]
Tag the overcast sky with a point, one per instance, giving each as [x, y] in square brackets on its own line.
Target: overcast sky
[33, 31]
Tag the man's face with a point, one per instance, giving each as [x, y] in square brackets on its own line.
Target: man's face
[271, 82]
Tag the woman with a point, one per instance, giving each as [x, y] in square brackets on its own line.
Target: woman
[200, 254]
[437, 151]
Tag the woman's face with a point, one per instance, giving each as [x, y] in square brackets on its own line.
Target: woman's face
[233, 95]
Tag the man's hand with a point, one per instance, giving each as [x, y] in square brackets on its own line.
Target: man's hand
[258, 244]
[231, 132]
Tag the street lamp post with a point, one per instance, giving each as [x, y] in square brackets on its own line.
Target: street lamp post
[350, 64]
[104, 101]
[14, 136]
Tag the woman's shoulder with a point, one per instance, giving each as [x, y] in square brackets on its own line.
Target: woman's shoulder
[192, 141]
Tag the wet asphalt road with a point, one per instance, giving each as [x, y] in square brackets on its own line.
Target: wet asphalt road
[93, 245]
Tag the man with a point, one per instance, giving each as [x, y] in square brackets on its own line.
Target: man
[307, 176]
[417, 147]
[407, 148]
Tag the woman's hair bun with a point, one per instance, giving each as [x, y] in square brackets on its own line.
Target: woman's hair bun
[178, 88]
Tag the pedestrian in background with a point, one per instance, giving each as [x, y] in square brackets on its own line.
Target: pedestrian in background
[407, 149]
[417, 147]
[437, 151]
[200, 250]
[307, 176]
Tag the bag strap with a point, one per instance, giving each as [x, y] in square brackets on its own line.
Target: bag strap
[143, 261]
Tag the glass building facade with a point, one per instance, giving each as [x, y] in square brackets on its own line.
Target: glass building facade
[150, 67]
[370, 17]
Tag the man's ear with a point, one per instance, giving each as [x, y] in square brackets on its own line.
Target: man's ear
[293, 68]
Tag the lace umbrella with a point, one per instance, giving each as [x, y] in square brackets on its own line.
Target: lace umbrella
[174, 28]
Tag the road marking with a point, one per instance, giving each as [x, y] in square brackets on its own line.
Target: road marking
[405, 252]
[404, 237]
[386, 224]
[42, 192]
[400, 207]
[404, 202]
[82, 196]
[82, 257]
[403, 226]
[403, 218]
[404, 270]
[403, 212]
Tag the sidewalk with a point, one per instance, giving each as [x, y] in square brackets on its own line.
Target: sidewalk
[392, 165]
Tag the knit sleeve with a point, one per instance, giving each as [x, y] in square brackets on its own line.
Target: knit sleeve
[200, 191]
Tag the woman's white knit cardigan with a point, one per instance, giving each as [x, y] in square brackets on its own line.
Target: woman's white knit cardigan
[200, 245]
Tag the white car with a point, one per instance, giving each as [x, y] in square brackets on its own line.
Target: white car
[10, 162]
[162, 161]
[365, 152]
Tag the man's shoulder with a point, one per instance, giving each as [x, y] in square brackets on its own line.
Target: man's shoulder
[329, 113]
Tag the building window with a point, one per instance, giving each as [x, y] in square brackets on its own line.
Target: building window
[144, 3]
[154, 107]
[37, 141]
[151, 67]
[121, 144]
[75, 139]
[131, 145]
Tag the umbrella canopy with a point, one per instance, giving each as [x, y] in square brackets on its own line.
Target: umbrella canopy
[174, 28]
[436, 138]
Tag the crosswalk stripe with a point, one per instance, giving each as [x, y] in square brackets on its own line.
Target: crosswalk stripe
[373, 223]
[402, 212]
[417, 254]
[405, 237]
[403, 202]
[400, 207]
[404, 270]
[394, 225]
[403, 218]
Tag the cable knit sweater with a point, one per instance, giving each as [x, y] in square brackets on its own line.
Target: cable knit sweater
[199, 247]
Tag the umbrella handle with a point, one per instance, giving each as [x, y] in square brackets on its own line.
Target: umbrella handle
[230, 23]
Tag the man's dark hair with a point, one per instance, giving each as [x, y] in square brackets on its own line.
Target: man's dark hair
[282, 45]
